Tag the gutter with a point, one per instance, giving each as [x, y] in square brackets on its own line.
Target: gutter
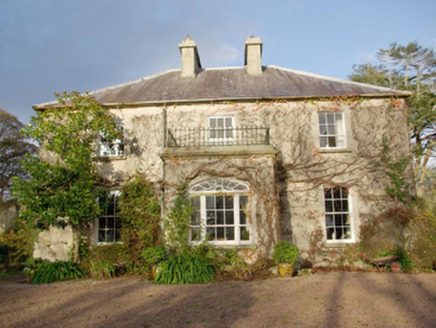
[403, 94]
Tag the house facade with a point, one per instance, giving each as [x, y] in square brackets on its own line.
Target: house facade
[266, 153]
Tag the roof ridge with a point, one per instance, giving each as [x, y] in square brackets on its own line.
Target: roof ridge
[336, 79]
[222, 68]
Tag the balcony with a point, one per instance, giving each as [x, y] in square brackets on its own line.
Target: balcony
[218, 137]
[243, 141]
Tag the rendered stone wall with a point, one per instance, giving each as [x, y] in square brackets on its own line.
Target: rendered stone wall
[257, 172]
[301, 169]
[54, 244]
[8, 213]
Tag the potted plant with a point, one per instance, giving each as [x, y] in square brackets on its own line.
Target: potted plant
[285, 255]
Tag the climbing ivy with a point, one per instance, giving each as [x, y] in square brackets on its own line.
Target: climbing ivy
[395, 170]
[177, 227]
[140, 217]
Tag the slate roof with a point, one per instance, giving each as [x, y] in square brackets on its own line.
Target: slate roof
[227, 84]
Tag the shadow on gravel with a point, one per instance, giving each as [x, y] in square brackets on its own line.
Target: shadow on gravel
[406, 293]
[134, 303]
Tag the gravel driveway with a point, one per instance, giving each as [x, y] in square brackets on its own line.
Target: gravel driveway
[336, 299]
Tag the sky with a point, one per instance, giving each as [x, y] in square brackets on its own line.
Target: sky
[49, 46]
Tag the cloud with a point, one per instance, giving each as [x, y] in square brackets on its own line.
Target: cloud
[55, 46]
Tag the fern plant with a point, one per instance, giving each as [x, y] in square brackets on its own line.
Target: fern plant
[185, 268]
[55, 271]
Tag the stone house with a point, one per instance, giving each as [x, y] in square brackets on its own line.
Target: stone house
[268, 153]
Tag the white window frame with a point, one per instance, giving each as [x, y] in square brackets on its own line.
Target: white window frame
[225, 140]
[112, 147]
[222, 187]
[97, 229]
[339, 133]
[333, 212]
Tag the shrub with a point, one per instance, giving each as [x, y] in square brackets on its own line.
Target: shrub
[153, 255]
[102, 270]
[17, 244]
[140, 218]
[423, 242]
[285, 252]
[55, 271]
[185, 268]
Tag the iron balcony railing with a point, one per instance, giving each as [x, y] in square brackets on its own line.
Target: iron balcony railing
[212, 137]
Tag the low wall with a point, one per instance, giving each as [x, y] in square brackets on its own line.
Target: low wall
[54, 244]
[8, 213]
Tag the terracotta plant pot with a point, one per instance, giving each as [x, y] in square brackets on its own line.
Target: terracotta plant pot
[396, 267]
[285, 269]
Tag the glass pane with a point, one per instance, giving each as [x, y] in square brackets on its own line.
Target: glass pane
[220, 217]
[230, 217]
[328, 193]
[245, 234]
[210, 202]
[229, 133]
[323, 142]
[110, 223]
[196, 202]
[211, 220]
[337, 205]
[330, 232]
[210, 234]
[229, 122]
[111, 209]
[195, 234]
[220, 233]
[321, 117]
[212, 122]
[102, 223]
[332, 141]
[330, 118]
[102, 236]
[337, 193]
[243, 200]
[195, 218]
[220, 122]
[331, 129]
[229, 202]
[339, 220]
[328, 206]
[242, 217]
[110, 235]
[322, 129]
[230, 233]
[347, 233]
[329, 220]
[345, 206]
[219, 202]
[339, 232]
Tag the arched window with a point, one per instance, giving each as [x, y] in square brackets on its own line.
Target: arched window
[221, 215]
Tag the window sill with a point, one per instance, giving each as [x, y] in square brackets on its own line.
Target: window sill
[233, 246]
[336, 244]
[108, 243]
[110, 158]
[334, 150]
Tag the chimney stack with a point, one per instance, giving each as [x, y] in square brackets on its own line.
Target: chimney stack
[253, 56]
[190, 58]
